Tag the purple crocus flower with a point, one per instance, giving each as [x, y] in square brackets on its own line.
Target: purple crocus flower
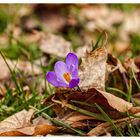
[65, 74]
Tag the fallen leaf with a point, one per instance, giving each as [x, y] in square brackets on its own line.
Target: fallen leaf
[107, 127]
[105, 99]
[75, 117]
[52, 44]
[117, 103]
[111, 104]
[134, 110]
[20, 124]
[93, 69]
[16, 121]
[77, 120]
[116, 70]
[115, 64]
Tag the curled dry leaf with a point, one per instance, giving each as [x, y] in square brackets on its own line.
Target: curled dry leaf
[93, 69]
[117, 70]
[107, 127]
[20, 124]
[114, 64]
[52, 44]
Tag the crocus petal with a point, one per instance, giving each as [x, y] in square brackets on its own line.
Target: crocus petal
[51, 77]
[74, 73]
[62, 84]
[60, 68]
[74, 83]
[72, 59]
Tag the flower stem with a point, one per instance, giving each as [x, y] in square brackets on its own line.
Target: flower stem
[78, 88]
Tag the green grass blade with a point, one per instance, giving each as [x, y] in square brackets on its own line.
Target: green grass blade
[117, 90]
[97, 42]
[83, 111]
[57, 122]
[109, 120]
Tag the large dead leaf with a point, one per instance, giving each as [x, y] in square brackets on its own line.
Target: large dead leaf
[55, 45]
[20, 124]
[93, 69]
[111, 104]
[17, 121]
[107, 100]
[107, 127]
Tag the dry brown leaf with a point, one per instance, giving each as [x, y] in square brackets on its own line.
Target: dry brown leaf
[40, 120]
[113, 64]
[105, 99]
[20, 124]
[16, 121]
[80, 121]
[93, 68]
[111, 104]
[134, 110]
[116, 102]
[107, 127]
[55, 45]
[75, 117]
